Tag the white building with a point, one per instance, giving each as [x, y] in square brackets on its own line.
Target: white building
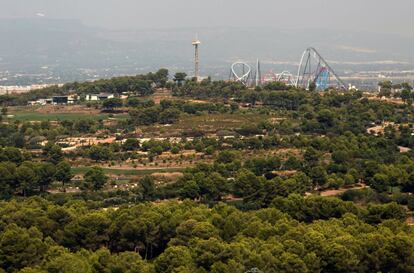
[99, 97]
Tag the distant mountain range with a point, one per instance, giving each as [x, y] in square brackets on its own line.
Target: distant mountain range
[45, 50]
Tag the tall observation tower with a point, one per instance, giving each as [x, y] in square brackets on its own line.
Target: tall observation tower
[196, 43]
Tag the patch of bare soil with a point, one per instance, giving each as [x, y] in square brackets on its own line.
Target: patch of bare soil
[387, 100]
[75, 142]
[404, 149]
[276, 120]
[288, 151]
[329, 193]
[169, 176]
[167, 201]
[139, 167]
[285, 173]
[161, 94]
[379, 129]
[198, 101]
[410, 221]
[232, 198]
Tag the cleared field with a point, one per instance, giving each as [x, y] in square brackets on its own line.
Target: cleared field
[208, 123]
[83, 170]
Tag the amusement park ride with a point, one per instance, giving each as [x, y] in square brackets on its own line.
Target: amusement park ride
[313, 69]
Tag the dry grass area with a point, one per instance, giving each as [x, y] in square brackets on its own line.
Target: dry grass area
[329, 193]
[169, 176]
[404, 149]
[285, 174]
[166, 94]
[386, 100]
[410, 221]
[185, 154]
[161, 94]
[209, 124]
[379, 129]
[86, 141]
[283, 153]
[198, 101]
[60, 109]
[289, 151]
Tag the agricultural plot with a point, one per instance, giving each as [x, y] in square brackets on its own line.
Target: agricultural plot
[208, 123]
[57, 114]
[128, 172]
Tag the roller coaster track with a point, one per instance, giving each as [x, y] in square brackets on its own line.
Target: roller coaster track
[306, 75]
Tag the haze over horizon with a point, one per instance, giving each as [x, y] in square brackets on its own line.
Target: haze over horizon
[380, 16]
[66, 40]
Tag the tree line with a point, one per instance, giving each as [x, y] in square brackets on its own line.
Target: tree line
[142, 85]
[39, 236]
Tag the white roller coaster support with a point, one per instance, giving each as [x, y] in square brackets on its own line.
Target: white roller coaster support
[258, 80]
[300, 67]
[288, 75]
[243, 78]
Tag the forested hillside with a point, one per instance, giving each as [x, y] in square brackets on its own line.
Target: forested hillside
[175, 175]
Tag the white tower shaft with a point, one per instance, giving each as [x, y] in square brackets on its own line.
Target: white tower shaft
[196, 44]
[196, 62]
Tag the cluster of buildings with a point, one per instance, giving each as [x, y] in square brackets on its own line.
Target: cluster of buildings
[71, 99]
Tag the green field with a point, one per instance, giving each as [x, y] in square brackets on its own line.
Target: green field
[27, 116]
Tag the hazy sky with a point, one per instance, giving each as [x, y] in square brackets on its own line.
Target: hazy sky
[393, 16]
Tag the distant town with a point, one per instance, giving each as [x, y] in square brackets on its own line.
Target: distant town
[17, 89]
